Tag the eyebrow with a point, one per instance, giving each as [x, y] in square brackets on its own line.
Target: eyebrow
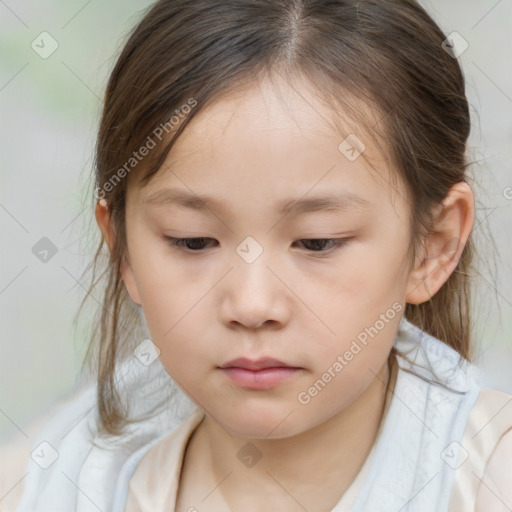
[344, 201]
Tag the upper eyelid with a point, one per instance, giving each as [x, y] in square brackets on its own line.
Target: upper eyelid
[338, 241]
[211, 238]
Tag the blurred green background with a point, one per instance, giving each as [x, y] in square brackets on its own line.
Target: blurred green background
[49, 113]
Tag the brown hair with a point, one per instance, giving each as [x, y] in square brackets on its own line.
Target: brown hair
[385, 53]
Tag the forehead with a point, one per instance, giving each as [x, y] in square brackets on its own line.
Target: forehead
[272, 141]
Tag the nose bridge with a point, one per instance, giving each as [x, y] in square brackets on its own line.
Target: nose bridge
[254, 293]
[253, 278]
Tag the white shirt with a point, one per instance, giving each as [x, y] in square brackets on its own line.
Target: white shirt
[408, 464]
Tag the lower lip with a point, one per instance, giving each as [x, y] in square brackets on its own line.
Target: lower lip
[259, 379]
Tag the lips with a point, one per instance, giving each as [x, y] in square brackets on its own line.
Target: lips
[260, 374]
[255, 365]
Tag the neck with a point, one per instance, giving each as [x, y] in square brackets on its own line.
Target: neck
[312, 469]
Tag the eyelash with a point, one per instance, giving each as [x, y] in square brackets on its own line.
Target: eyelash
[178, 242]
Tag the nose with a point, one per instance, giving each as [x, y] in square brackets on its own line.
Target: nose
[254, 295]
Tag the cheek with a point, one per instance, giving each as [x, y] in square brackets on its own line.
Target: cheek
[361, 305]
[179, 333]
[175, 319]
[163, 300]
[176, 313]
[350, 365]
[376, 273]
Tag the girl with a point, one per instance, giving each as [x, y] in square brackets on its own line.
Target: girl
[286, 320]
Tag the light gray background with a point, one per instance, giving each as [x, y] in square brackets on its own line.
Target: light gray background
[49, 113]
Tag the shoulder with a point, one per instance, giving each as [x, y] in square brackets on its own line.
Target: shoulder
[490, 418]
[484, 481]
[156, 472]
[20, 475]
[163, 450]
[494, 493]
[14, 458]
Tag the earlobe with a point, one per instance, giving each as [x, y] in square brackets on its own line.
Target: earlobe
[102, 215]
[443, 248]
[129, 281]
[103, 219]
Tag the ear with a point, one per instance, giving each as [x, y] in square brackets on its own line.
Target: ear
[105, 224]
[442, 250]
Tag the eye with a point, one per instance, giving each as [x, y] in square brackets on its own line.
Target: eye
[192, 244]
[316, 244]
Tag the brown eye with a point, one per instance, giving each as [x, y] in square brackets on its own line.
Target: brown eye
[316, 244]
[191, 244]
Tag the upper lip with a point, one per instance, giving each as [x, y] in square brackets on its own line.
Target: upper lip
[259, 364]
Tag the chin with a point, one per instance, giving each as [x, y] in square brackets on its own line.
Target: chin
[256, 424]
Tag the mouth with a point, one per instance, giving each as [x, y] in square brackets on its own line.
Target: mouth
[263, 373]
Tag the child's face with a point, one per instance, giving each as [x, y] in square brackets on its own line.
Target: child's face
[256, 287]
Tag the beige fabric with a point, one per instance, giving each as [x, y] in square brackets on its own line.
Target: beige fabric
[153, 486]
[490, 419]
[154, 483]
